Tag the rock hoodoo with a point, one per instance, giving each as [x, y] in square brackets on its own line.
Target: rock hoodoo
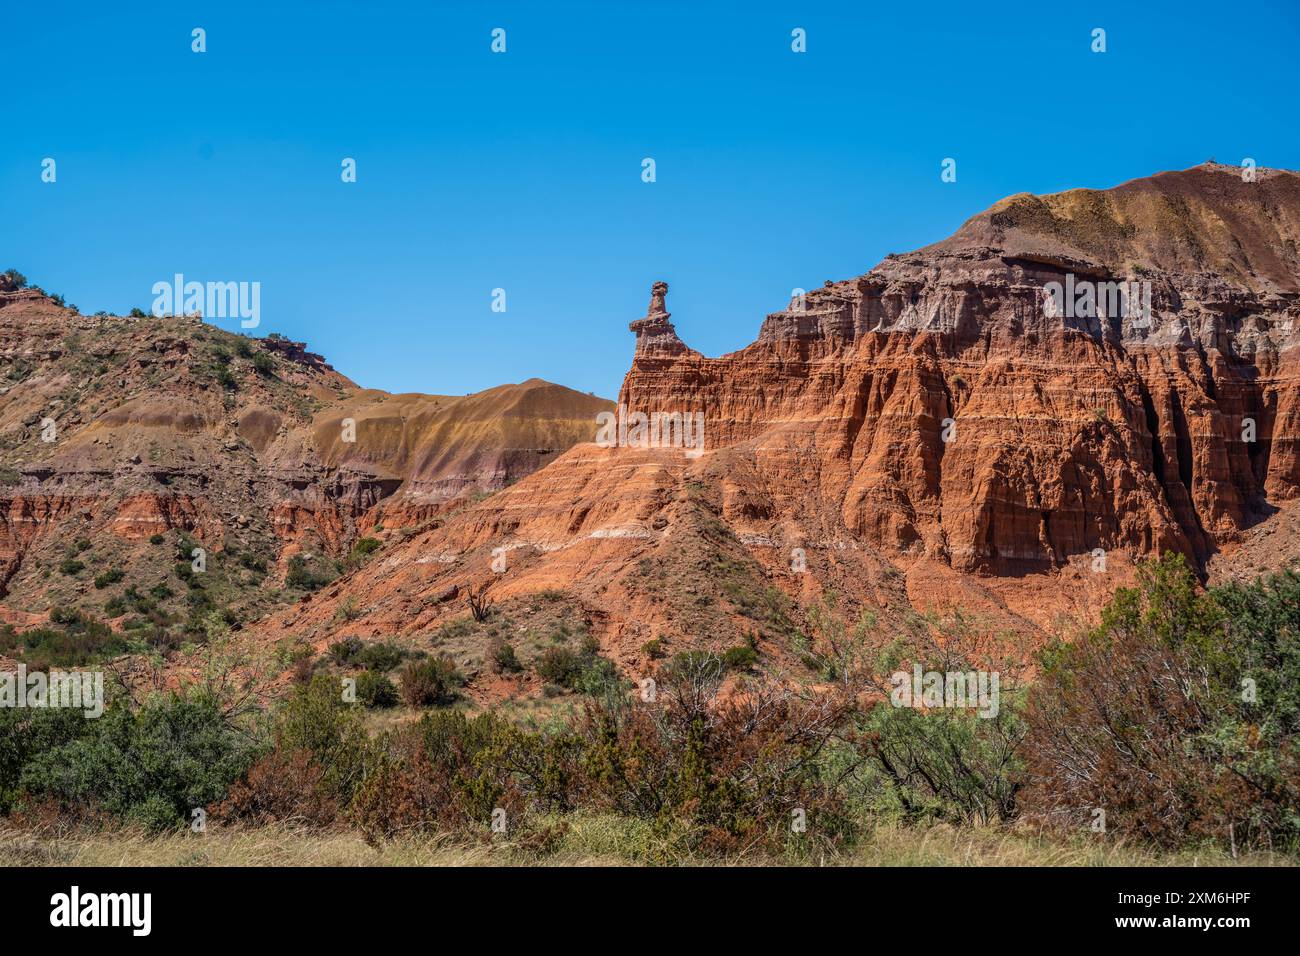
[655, 335]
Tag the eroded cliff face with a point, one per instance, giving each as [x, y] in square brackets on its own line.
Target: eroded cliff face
[1068, 429]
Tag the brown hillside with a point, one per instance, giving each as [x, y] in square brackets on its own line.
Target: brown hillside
[169, 434]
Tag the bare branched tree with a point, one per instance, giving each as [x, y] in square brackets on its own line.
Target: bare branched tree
[479, 606]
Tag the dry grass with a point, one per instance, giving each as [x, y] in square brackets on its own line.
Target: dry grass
[593, 841]
[952, 846]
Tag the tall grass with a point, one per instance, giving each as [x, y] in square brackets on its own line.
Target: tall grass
[587, 841]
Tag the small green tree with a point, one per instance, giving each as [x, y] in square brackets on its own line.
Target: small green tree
[375, 690]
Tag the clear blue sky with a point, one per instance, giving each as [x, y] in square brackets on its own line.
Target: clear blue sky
[523, 170]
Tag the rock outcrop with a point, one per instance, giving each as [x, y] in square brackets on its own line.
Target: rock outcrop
[655, 335]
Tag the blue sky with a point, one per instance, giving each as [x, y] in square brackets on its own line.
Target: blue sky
[522, 170]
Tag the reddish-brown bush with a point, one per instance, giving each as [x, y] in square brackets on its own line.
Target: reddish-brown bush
[284, 787]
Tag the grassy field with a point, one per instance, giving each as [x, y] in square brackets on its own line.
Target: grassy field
[588, 842]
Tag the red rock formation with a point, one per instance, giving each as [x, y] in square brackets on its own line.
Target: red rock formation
[1068, 433]
[1120, 430]
[953, 426]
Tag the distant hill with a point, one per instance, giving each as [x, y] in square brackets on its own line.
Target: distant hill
[125, 443]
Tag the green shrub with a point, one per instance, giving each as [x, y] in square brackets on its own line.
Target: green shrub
[71, 566]
[26, 733]
[502, 655]
[599, 678]
[560, 666]
[381, 656]
[360, 553]
[153, 766]
[943, 763]
[349, 610]
[454, 629]
[163, 640]
[375, 690]
[197, 600]
[346, 651]
[317, 720]
[253, 562]
[430, 683]
[1179, 714]
[109, 578]
[582, 670]
[74, 638]
[263, 364]
[138, 601]
[740, 658]
[301, 576]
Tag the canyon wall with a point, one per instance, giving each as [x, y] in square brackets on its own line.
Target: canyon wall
[1173, 428]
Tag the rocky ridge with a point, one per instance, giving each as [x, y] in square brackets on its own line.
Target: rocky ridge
[115, 431]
